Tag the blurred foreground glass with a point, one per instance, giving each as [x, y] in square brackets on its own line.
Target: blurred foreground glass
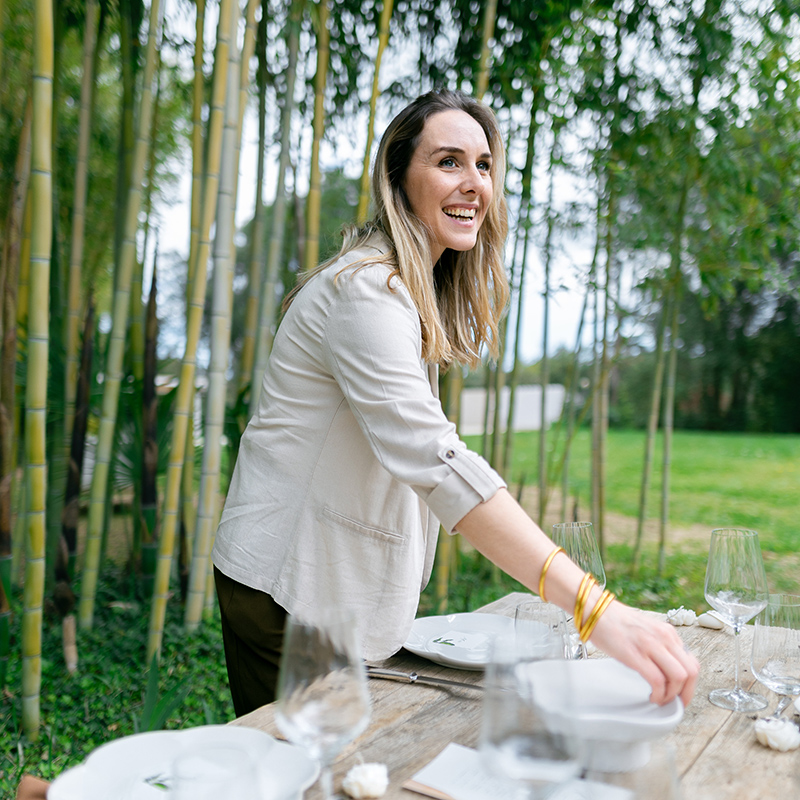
[527, 732]
[655, 780]
[533, 618]
[579, 541]
[776, 648]
[736, 586]
[323, 703]
[214, 772]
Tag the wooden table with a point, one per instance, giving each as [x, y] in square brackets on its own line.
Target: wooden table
[717, 755]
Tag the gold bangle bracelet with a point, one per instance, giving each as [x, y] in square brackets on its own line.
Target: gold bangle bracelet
[546, 567]
[602, 604]
[587, 583]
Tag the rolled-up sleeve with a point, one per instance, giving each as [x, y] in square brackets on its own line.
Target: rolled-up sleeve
[372, 347]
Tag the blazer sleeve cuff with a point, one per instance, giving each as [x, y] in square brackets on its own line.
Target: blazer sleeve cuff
[471, 481]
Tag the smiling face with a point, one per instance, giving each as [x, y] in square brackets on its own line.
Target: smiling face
[449, 180]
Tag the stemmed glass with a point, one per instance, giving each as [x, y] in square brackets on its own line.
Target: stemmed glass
[532, 618]
[580, 544]
[736, 586]
[527, 732]
[776, 648]
[323, 703]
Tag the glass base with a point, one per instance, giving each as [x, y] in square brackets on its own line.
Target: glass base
[737, 700]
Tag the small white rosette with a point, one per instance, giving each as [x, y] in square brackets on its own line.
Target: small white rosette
[681, 616]
[365, 781]
[779, 734]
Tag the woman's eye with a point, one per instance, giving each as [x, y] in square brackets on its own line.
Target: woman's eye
[484, 166]
[447, 162]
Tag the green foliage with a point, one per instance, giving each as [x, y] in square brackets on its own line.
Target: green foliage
[108, 696]
[156, 711]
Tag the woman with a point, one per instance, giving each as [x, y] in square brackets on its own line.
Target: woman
[349, 465]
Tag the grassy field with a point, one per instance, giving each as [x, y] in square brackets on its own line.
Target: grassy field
[717, 480]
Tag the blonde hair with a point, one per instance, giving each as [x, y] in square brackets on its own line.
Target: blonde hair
[461, 301]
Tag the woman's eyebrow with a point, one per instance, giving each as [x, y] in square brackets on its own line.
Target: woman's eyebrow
[457, 151]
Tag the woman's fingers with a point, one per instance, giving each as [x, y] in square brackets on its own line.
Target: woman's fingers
[654, 650]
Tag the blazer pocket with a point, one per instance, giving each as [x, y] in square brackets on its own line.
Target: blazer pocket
[359, 527]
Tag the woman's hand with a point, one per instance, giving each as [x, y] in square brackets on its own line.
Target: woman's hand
[651, 647]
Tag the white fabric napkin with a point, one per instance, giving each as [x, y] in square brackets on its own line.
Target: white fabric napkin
[458, 773]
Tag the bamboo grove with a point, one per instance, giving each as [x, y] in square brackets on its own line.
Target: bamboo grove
[659, 140]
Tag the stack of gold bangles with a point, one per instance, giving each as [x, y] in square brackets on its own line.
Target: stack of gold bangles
[586, 628]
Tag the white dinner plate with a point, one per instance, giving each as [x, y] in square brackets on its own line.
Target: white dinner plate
[457, 640]
[132, 767]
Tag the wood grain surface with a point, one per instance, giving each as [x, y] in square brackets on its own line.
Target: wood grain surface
[717, 755]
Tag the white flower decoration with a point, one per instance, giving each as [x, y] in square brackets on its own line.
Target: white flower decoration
[681, 616]
[365, 781]
[779, 734]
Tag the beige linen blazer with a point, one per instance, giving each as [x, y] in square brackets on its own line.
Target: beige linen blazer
[349, 460]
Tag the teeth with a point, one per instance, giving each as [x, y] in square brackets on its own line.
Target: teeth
[462, 213]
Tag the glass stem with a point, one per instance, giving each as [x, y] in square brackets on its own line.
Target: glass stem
[736, 630]
[326, 782]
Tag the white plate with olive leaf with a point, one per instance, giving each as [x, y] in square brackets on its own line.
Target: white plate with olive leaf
[138, 767]
[462, 640]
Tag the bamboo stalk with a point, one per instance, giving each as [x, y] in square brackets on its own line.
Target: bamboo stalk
[36, 383]
[489, 15]
[315, 188]
[268, 291]
[650, 438]
[187, 502]
[148, 506]
[383, 39]
[228, 17]
[257, 231]
[198, 83]
[544, 374]
[117, 338]
[214, 417]
[669, 408]
[73, 318]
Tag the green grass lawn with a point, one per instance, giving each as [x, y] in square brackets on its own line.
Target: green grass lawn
[717, 480]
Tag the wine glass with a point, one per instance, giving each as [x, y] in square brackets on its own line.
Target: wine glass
[538, 620]
[323, 703]
[527, 731]
[736, 586]
[580, 544]
[776, 648]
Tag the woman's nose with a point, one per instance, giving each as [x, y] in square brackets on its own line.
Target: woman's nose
[472, 181]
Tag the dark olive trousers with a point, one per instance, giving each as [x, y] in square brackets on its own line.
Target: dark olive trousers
[252, 633]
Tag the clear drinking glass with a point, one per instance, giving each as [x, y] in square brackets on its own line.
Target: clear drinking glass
[538, 620]
[323, 703]
[580, 544]
[527, 732]
[776, 648]
[736, 586]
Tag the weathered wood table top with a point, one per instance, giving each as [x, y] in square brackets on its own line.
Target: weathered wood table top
[718, 757]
